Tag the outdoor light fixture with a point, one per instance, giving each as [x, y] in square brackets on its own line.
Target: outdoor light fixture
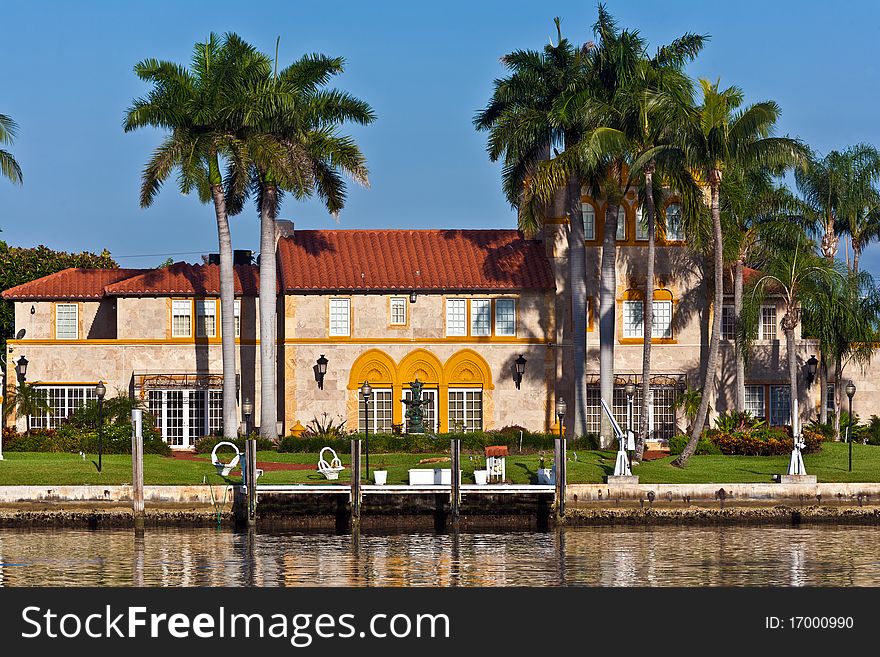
[247, 408]
[21, 368]
[366, 393]
[320, 371]
[630, 389]
[33, 310]
[560, 413]
[519, 368]
[812, 368]
[412, 297]
[850, 392]
[100, 391]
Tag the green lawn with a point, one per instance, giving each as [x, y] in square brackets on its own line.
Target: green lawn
[830, 465]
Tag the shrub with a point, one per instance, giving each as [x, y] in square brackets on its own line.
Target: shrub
[70, 439]
[763, 441]
[704, 445]
[738, 421]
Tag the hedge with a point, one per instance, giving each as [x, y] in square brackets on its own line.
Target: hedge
[116, 440]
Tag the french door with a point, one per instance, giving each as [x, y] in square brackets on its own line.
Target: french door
[183, 416]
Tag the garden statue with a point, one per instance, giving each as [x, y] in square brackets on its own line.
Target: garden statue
[415, 418]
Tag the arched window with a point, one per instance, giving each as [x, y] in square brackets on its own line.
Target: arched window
[674, 230]
[589, 216]
[621, 223]
[641, 227]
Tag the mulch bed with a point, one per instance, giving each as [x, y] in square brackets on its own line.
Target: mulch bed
[265, 466]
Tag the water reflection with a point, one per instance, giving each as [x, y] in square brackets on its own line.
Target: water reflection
[667, 556]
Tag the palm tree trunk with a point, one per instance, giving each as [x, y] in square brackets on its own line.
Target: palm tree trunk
[227, 314]
[268, 302]
[715, 336]
[577, 263]
[739, 357]
[607, 296]
[855, 259]
[648, 316]
[838, 396]
[823, 392]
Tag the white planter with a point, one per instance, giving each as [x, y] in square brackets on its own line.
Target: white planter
[481, 477]
[443, 476]
[421, 477]
[380, 477]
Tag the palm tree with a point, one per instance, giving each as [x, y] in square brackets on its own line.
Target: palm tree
[28, 400]
[843, 314]
[522, 131]
[289, 127]
[8, 166]
[792, 272]
[757, 210]
[193, 104]
[720, 135]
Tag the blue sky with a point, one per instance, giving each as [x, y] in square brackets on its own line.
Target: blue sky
[424, 67]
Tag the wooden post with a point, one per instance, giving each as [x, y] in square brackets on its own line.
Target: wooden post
[250, 451]
[559, 462]
[137, 464]
[355, 481]
[455, 499]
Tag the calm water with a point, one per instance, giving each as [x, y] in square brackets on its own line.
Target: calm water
[667, 556]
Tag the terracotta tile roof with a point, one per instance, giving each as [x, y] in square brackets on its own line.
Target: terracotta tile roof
[313, 260]
[185, 279]
[71, 283]
[750, 276]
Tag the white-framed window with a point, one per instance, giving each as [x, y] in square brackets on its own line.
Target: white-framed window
[456, 317]
[641, 226]
[481, 317]
[237, 316]
[465, 409]
[63, 400]
[66, 321]
[780, 405]
[184, 415]
[181, 318]
[674, 231]
[829, 398]
[633, 319]
[505, 317]
[767, 327]
[206, 318]
[589, 215]
[429, 410]
[340, 317]
[728, 323]
[398, 311]
[379, 411]
[621, 223]
[755, 401]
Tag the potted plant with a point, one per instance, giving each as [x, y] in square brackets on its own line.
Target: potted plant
[546, 476]
[481, 474]
[380, 474]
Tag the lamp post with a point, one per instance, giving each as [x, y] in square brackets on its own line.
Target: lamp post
[100, 391]
[850, 392]
[247, 408]
[366, 393]
[630, 389]
[519, 368]
[560, 413]
[320, 371]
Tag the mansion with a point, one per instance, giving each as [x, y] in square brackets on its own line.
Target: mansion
[452, 308]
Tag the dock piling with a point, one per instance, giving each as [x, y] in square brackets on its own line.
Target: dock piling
[137, 465]
[455, 498]
[559, 462]
[355, 481]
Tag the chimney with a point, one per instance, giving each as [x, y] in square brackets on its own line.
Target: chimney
[242, 257]
[283, 228]
[213, 258]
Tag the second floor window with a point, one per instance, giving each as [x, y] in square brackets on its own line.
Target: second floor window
[206, 318]
[633, 319]
[728, 323]
[481, 317]
[674, 230]
[456, 317]
[340, 317]
[398, 311]
[505, 317]
[621, 223]
[589, 216]
[768, 323]
[181, 318]
[237, 318]
[641, 227]
[66, 321]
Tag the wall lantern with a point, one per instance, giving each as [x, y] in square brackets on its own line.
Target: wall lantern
[320, 371]
[812, 367]
[519, 368]
[412, 297]
[21, 368]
